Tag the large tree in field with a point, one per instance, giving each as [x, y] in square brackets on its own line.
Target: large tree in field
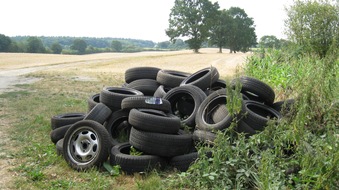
[269, 41]
[221, 29]
[80, 45]
[35, 45]
[313, 25]
[241, 35]
[192, 19]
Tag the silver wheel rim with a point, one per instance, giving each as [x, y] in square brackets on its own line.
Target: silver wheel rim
[83, 146]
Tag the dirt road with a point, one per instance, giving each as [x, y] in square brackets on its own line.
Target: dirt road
[14, 66]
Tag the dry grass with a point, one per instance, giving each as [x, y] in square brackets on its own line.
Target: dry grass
[118, 62]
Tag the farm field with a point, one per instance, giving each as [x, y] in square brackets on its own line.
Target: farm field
[34, 87]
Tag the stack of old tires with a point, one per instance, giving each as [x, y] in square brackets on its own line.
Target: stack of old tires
[256, 110]
[159, 114]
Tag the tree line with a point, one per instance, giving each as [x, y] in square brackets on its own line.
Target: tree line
[83, 45]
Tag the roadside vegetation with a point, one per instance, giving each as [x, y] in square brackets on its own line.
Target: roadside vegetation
[300, 152]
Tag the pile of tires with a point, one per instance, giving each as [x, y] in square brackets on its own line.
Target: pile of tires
[155, 118]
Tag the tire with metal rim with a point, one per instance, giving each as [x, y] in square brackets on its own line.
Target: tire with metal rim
[86, 145]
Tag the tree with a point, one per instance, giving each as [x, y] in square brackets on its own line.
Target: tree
[116, 46]
[5, 43]
[79, 45]
[269, 42]
[56, 48]
[192, 19]
[221, 30]
[241, 35]
[314, 25]
[35, 45]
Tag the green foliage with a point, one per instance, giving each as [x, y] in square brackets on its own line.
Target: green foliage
[116, 46]
[221, 29]
[5, 43]
[192, 19]
[79, 45]
[269, 41]
[301, 152]
[35, 45]
[242, 35]
[233, 29]
[313, 24]
[56, 48]
[134, 152]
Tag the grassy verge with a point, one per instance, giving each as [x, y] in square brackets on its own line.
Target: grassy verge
[29, 110]
[301, 152]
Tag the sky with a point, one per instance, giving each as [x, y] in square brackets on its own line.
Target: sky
[136, 19]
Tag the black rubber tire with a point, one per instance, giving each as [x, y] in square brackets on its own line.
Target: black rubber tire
[204, 120]
[137, 73]
[258, 114]
[171, 78]
[180, 93]
[151, 121]
[142, 102]
[146, 86]
[183, 162]
[219, 84]
[283, 106]
[86, 144]
[243, 127]
[161, 91]
[203, 78]
[59, 133]
[99, 113]
[66, 119]
[59, 147]
[220, 113]
[118, 127]
[113, 96]
[207, 137]
[166, 145]
[255, 89]
[92, 101]
[120, 155]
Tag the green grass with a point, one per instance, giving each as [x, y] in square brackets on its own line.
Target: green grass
[301, 152]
